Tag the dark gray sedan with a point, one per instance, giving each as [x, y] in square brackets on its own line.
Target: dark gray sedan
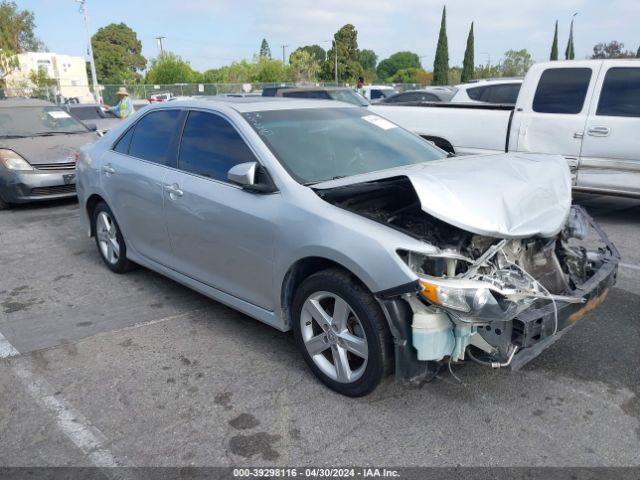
[39, 143]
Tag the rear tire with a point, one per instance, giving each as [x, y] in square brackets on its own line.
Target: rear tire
[342, 333]
[109, 240]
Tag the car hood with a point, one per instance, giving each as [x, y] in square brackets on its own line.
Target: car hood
[59, 148]
[504, 196]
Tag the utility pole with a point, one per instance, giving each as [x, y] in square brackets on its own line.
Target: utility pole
[283, 55]
[94, 78]
[159, 39]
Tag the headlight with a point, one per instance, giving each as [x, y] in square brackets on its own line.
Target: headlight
[13, 161]
[471, 300]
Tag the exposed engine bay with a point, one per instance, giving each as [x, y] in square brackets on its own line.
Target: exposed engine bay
[484, 298]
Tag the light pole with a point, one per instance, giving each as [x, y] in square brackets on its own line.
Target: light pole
[283, 49]
[94, 78]
[160, 44]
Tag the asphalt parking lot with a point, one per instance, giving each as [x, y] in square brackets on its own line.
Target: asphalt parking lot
[137, 370]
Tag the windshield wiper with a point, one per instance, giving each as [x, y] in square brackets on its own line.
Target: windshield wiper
[49, 134]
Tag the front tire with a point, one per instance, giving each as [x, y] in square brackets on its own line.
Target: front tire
[109, 240]
[341, 332]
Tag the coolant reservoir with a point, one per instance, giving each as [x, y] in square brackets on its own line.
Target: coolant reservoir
[432, 335]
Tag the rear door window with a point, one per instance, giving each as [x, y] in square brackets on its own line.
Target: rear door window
[620, 96]
[562, 90]
[154, 135]
[476, 93]
[122, 146]
[507, 93]
[210, 146]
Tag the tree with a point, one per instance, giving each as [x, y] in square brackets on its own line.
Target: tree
[638, 54]
[613, 49]
[265, 51]
[345, 42]
[441, 62]
[388, 67]
[316, 51]
[516, 63]
[304, 66]
[569, 53]
[17, 29]
[118, 54]
[368, 60]
[554, 45]
[8, 63]
[267, 70]
[41, 82]
[486, 71]
[468, 65]
[170, 68]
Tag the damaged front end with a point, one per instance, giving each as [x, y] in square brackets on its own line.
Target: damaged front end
[498, 301]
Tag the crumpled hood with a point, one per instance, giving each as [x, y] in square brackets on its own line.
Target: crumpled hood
[504, 196]
[59, 148]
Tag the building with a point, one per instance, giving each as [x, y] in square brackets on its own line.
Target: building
[69, 74]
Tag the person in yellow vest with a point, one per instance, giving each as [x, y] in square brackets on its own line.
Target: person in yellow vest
[124, 108]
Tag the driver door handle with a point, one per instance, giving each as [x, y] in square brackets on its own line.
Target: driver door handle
[173, 190]
[108, 169]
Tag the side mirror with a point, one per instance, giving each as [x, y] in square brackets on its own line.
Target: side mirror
[251, 176]
[91, 126]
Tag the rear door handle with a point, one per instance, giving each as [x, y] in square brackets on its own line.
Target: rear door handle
[578, 135]
[173, 190]
[599, 131]
[108, 169]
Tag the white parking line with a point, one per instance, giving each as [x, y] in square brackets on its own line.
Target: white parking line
[629, 266]
[73, 424]
[6, 349]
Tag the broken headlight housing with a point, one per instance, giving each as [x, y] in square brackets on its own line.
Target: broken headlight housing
[468, 299]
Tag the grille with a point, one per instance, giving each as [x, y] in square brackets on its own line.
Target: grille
[57, 190]
[56, 166]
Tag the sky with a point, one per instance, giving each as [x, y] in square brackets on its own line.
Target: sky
[212, 33]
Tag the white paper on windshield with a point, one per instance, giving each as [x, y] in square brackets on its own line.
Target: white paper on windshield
[58, 114]
[379, 122]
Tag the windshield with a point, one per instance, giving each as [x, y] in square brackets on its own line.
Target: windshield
[348, 96]
[33, 121]
[316, 144]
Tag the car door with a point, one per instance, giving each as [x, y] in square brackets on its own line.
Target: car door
[221, 234]
[133, 175]
[610, 158]
[552, 118]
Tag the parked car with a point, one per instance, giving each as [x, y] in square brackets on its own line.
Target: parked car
[437, 94]
[361, 237]
[378, 92]
[39, 143]
[160, 97]
[503, 91]
[588, 111]
[93, 113]
[341, 94]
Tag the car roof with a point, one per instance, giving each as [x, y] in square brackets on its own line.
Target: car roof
[25, 102]
[257, 104]
[314, 89]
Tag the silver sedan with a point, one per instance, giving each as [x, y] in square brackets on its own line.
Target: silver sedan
[378, 251]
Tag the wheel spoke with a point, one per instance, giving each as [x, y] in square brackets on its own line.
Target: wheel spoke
[317, 344]
[341, 313]
[341, 364]
[102, 235]
[104, 222]
[317, 313]
[115, 246]
[356, 345]
[110, 255]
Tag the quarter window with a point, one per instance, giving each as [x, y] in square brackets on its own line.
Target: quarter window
[154, 135]
[620, 96]
[211, 146]
[562, 90]
[123, 144]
